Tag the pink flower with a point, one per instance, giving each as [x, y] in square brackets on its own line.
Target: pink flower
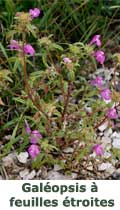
[66, 60]
[112, 124]
[34, 12]
[28, 49]
[100, 56]
[106, 94]
[98, 149]
[96, 40]
[33, 151]
[14, 45]
[98, 81]
[27, 128]
[35, 136]
[112, 113]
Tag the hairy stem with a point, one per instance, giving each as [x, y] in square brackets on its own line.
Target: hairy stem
[115, 77]
[66, 102]
[103, 121]
[30, 92]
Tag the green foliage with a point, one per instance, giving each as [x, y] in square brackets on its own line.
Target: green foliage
[116, 153]
[68, 20]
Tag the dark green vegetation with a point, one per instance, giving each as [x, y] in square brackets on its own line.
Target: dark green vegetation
[68, 20]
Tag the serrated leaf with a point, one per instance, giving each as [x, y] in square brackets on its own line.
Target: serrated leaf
[32, 29]
[56, 46]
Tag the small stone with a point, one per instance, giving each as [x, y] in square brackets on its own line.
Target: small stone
[118, 170]
[100, 134]
[16, 169]
[114, 162]
[104, 166]
[8, 161]
[116, 143]
[31, 175]
[39, 173]
[54, 175]
[81, 144]
[57, 167]
[74, 175]
[93, 155]
[22, 157]
[68, 150]
[106, 155]
[17, 178]
[116, 176]
[24, 173]
[103, 126]
[108, 132]
[106, 140]
[110, 170]
[90, 167]
[88, 109]
[44, 172]
[108, 147]
[115, 135]
[7, 138]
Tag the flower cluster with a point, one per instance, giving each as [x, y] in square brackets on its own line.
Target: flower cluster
[98, 149]
[99, 54]
[34, 13]
[112, 113]
[34, 136]
[96, 40]
[98, 82]
[106, 94]
[26, 49]
[67, 60]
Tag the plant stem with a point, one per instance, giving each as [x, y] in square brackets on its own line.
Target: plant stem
[30, 93]
[99, 124]
[115, 76]
[66, 102]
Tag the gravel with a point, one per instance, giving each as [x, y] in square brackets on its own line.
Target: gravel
[22, 157]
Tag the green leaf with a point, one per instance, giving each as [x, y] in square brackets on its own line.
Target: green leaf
[71, 75]
[32, 29]
[5, 54]
[56, 46]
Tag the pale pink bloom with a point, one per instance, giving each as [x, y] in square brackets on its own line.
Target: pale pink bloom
[96, 40]
[34, 12]
[33, 151]
[14, 45]
[67, 60]
[28, 49]
[106, 94]
[100, 56]
[27, 128]
[98, 82]
[98, 149]
[35, 136]
[112, 113]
